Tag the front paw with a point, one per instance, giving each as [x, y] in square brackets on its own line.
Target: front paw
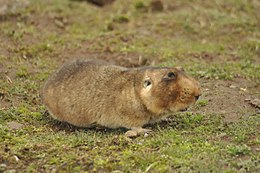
[137, 131]
[131, 134]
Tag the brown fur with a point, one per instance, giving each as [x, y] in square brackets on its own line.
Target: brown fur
[86, 92]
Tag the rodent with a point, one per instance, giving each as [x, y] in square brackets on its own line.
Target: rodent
[86, 92]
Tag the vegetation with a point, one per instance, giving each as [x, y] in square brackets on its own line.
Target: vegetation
[215, 41]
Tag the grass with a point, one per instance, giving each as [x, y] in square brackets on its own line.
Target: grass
[196, 142]
[214, 40]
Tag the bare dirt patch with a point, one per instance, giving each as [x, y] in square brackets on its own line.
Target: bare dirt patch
[229, 98]
[215, 57]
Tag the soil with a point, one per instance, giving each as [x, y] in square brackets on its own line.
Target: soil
[229, 98]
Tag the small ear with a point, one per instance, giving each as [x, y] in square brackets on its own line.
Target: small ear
[180, 68]
[170, 76]
[147, 83]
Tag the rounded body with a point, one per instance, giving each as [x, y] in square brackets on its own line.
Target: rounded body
[86, 92]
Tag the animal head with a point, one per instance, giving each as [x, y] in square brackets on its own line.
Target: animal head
[166, 90]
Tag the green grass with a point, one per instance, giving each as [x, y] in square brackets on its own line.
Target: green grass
[213, 40]
[193, 142]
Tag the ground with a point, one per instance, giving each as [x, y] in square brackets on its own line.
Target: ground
[217, 42]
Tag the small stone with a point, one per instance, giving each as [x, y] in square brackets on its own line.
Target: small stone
[232, 86]
[243, 89]
[59, 23]
[2, 167]
[16, 158]
[14, 125]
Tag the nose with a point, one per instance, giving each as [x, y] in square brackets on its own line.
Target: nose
[197, 92]
[197, 97]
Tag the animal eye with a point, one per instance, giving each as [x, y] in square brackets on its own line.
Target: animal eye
[147, 83]
[171, 75]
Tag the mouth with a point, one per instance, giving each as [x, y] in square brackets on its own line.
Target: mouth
[184, 109]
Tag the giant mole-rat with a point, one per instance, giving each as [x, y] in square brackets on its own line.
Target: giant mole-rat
[87, 92]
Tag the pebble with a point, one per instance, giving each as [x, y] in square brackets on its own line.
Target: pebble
[14, 125]
[243, 89]
[232, 86]
[2, 167]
